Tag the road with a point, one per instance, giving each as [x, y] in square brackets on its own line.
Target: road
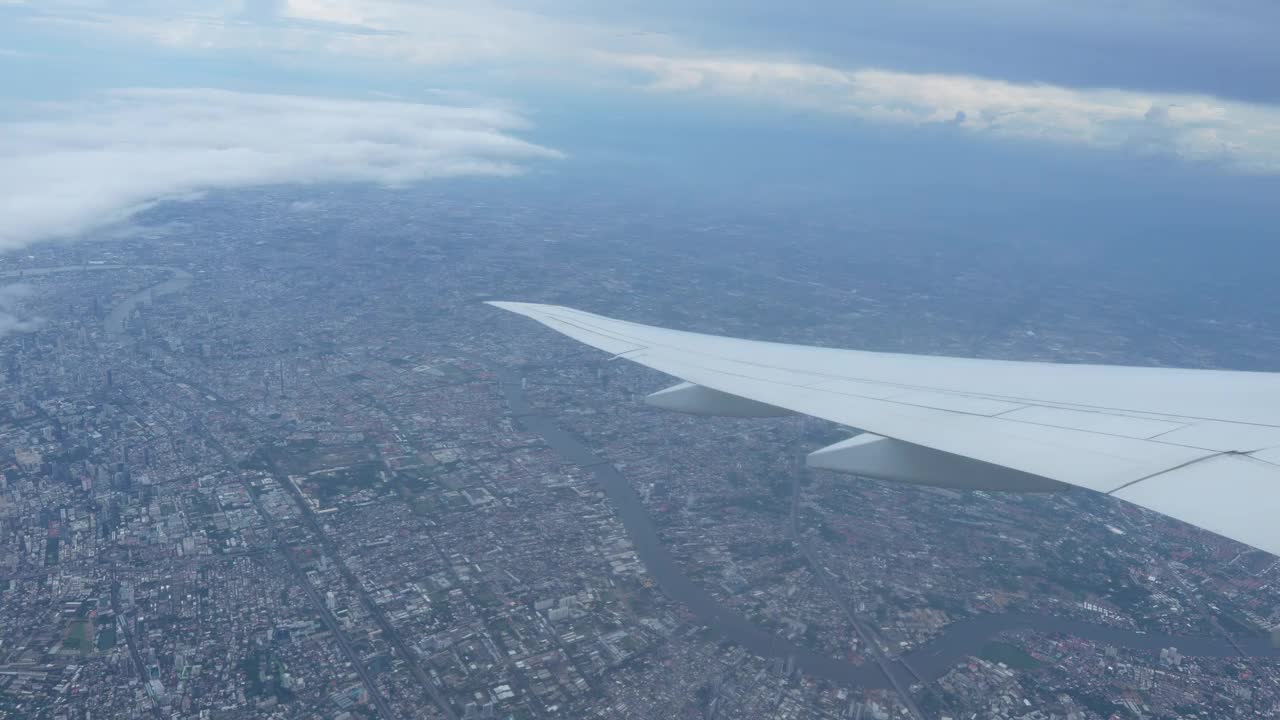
[388, 630]
[115, 328]
[865, 633]
[129, 643]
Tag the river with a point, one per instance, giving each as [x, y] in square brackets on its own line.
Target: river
[927, 662]
[119, 315]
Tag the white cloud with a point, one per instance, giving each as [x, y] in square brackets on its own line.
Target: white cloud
[421, 32]
[334, 11]
[72, 167]
[11, 297]
[435, 33]
[526, 38]
[1243, 135]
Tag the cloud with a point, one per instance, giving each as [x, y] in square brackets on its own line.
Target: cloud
[597, 45]
[1174, 45]
[11, 297]
[70, 167]
[418, 32]
[1221, 48]
[1243, 136]
[1224, 49]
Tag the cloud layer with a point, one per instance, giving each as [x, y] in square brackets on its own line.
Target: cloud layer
[565, 43]
[1226, 49]
[69, 167]
[1243, 136]
[1190, 46]
[601, 45]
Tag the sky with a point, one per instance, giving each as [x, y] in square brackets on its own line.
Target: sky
[1106, 118]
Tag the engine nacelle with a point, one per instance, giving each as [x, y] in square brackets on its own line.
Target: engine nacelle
[699, 400]
[883, 458]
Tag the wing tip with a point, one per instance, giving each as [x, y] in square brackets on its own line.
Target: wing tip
[536, 311]
[519, 308]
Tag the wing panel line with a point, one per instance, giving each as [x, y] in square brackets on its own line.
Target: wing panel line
[1101, 409]
[1188, 463]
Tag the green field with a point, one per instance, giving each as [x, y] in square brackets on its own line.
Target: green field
[79, 637]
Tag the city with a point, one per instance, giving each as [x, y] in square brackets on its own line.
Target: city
[285, 463]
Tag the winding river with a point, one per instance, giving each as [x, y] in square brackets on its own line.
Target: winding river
[925, 663]
[119, 314]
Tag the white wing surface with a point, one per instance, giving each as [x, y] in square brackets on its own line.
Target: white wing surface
[1202, 446]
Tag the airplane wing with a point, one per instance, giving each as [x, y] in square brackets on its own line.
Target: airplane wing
[1202, 446]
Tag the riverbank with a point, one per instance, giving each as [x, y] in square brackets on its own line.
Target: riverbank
[928, 662]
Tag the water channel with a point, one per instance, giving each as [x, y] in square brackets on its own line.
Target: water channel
[119, 314]
[927, 662]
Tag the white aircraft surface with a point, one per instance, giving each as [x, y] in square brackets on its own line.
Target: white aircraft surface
[1202, 446]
